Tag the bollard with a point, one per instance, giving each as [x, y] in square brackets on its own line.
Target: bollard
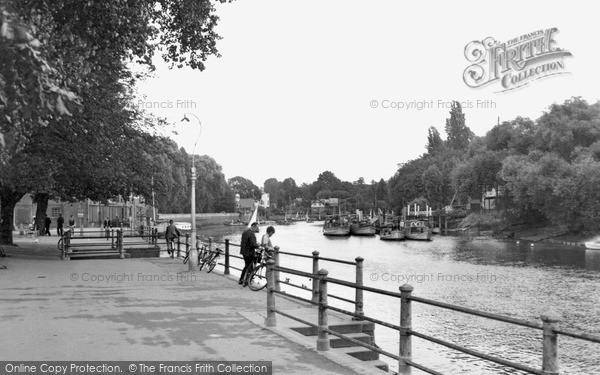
[315, 282]
[120, 244]
[271, 319]
[358, 300]
[276, 284]
[226, 272]
[405, 325]
[323, 337]
[550, 345]
[112, 239]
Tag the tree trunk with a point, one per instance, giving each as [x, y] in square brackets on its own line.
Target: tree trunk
[8, 200]
[41, 199]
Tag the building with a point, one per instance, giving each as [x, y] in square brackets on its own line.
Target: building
[88, 213]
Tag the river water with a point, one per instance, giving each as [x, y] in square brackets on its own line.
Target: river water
[504, 277]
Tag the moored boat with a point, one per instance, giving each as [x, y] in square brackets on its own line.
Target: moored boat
[592, 245]
[417, 230]
[391, 233]
[362, 229]
[336, 226]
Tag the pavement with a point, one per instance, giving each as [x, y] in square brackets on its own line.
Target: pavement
[144, 309]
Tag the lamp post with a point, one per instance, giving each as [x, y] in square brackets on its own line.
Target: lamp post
[193, 257]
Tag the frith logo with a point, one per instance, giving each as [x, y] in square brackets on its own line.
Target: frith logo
[515, 63]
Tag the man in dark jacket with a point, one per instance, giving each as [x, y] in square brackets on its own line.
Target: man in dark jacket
[247, 247]
[170, 234]
[59, 225]
[47, 222]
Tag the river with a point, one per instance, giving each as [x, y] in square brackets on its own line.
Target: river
[504, 277]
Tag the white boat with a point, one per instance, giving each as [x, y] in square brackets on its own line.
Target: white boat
[254, 218]
[417, 230]
[592, 245]
[183, 225]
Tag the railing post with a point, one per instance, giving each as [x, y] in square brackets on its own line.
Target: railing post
[358, 300]
[120, 244]
[315, 282]
[276, 284]
[226, 272]
[550, 345]
[405, 325]
[323, 337]
[112, 238]
[271, 319]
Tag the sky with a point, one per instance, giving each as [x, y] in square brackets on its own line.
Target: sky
[351, 87]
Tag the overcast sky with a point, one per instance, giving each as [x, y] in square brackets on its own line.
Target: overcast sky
[302, 86]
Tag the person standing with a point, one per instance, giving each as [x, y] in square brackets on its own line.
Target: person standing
[47, 222]
[266, 239]
[60, 221]
[170, 234]
[247, 247]
[72, 225]
[106, 225]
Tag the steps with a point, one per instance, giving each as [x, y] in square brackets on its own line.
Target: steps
[358, 330]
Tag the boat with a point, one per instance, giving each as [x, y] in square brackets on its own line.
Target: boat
[183, 225]
[417, 230]
[254, 217]
[392, 233]
[235, 223]
[592, 245]
[362, 228]
[336, 226]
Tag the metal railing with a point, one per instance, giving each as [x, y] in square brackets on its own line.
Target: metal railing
[548, 324]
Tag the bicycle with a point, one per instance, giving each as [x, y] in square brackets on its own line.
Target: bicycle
[203, 257]
[258, 277]
[201, 254]
[211, 260]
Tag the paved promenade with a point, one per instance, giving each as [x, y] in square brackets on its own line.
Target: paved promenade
[148, 309]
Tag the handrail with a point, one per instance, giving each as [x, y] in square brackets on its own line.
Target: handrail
[549, 325]
[476, 353]
[578, 335]
[549, 365]
[505, 319]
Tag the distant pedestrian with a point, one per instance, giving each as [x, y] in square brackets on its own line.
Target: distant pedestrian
[72, 224]
[47, 222]
[247, 247]
[171, 233]
[106, 228]
[60, 221]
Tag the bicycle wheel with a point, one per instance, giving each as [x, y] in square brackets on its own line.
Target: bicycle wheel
[258, 278]
[202, 261]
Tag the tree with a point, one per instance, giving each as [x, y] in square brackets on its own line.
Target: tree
[81, 45]
[458, 134]
[244, 187]
[434, 141]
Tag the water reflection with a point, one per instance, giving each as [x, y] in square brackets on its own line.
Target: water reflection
[497, 276]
